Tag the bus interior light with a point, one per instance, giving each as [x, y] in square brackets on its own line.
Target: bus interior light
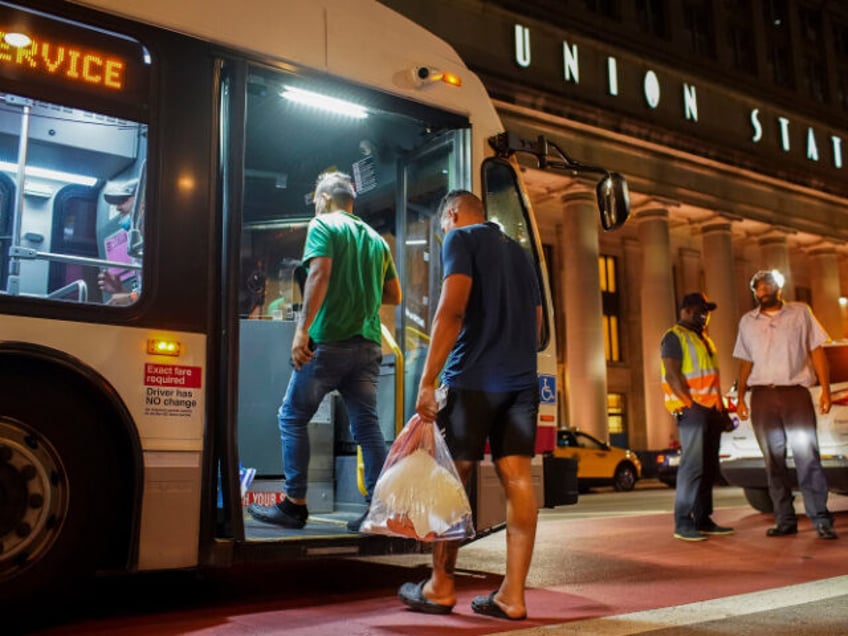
[17, 39]
[45, 173]
[324, 102]
[163, 347]
[35, 189]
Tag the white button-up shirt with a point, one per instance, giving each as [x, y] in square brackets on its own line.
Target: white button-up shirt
[779, 345]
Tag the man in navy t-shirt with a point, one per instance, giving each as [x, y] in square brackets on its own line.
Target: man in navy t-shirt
[496, 347]
[486, 335]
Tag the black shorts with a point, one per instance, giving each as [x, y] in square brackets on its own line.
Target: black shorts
[507, 420]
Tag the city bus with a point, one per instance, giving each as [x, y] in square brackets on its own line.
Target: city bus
[157, 162]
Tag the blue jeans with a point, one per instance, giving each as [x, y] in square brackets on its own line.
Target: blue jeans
[351, 367]
[785, 417]
[700, 432]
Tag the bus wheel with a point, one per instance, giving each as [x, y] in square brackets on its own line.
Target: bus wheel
[48, 521]
[35, 489]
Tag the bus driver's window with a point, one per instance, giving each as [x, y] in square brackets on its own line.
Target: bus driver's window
[121, 286]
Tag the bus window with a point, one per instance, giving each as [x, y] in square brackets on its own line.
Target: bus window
[505, 206]
[75, 234]
[429, 175]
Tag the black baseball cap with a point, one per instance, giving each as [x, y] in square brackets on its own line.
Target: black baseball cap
[697, 299]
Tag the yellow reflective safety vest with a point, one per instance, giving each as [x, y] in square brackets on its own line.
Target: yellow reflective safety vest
[699, 367]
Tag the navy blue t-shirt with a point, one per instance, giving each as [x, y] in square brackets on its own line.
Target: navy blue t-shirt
[496, 348]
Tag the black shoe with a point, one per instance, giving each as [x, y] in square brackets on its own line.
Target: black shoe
[412, 595]
[825, 531]
[353, 526]
[781, 531]
[486, 605]
[711, 527]
[285, 514]
[689, 534]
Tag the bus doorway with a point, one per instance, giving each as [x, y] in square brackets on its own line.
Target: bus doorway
[403, 158]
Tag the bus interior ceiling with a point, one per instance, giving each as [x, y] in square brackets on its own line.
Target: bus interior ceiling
[288, 145]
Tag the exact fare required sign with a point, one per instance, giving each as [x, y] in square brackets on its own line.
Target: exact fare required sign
[170, 389]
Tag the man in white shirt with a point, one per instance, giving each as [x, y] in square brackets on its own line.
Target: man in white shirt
[779, 346]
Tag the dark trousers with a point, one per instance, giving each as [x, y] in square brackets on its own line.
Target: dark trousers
[700, 431]
[785, 417]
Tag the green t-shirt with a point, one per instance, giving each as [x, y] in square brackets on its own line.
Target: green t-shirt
[362, 262]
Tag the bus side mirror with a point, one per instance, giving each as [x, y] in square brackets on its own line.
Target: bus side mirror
[613, 200]
[612, 194]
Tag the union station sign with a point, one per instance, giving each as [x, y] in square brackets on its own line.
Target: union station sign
[700, 109]
[794, 137]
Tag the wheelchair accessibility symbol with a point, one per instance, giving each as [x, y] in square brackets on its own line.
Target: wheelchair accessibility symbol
[547, 389]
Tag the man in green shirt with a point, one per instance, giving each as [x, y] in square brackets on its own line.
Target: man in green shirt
[337, 341]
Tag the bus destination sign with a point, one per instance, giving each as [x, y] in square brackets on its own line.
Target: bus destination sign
[32, 53]
[40, 54]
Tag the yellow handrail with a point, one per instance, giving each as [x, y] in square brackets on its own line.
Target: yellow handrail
[395, 349]
[393, 345]
[414, 336]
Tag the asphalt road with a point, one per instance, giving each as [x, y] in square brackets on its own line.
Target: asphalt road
[607, 565]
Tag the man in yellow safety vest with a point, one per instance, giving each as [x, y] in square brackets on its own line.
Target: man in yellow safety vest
[690, 381]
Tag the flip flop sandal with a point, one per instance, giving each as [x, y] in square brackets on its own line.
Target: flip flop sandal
[412, 595]
[486, 605]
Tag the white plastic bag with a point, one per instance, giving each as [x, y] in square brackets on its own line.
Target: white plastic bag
[419, 493]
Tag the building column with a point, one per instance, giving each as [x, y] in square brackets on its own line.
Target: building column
[631, 319]
[720, 281]
[744, 270]
[689, 271]
[824, 274]
[585, 366]
[658, 315]
[774, 254]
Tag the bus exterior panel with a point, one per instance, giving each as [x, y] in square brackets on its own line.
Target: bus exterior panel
[163, 399]
[360, 40]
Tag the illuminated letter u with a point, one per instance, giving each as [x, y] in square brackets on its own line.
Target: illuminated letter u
[522, 45]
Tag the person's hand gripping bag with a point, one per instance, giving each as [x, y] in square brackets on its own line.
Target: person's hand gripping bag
[419, 494]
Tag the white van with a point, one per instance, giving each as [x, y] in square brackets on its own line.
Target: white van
[742, 461]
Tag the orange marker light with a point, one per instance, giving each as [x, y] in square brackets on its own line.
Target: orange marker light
[451, 79]
[163, 347]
